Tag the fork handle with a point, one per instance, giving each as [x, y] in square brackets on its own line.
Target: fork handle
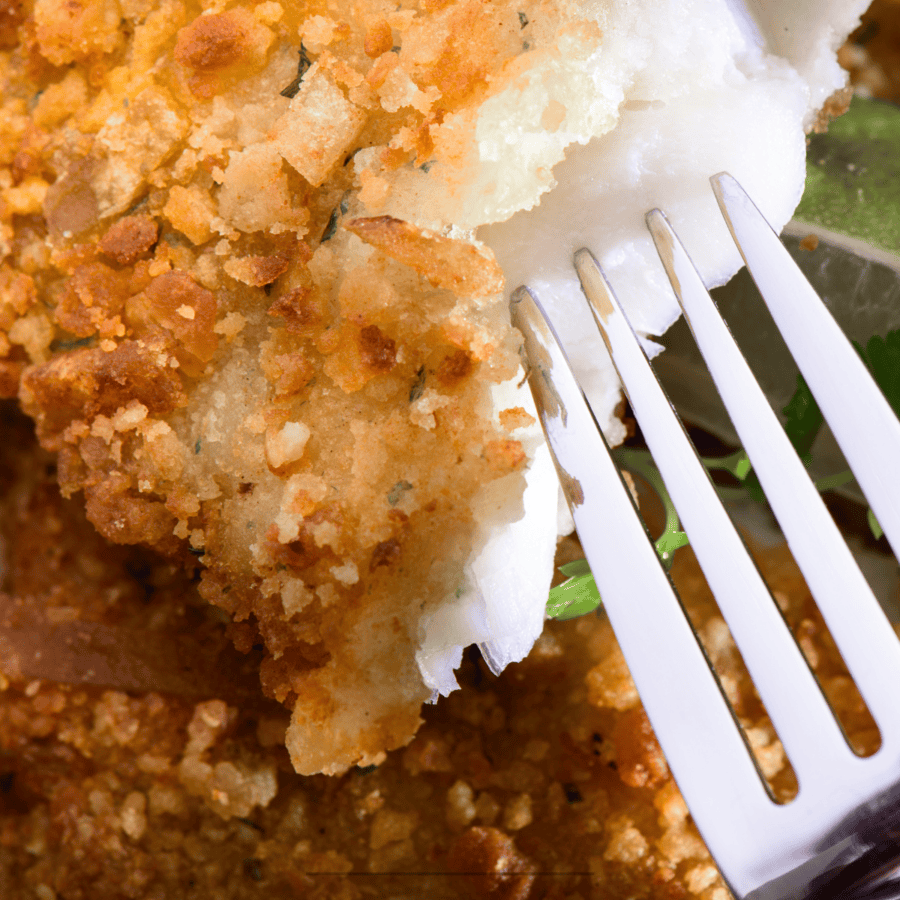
[861, 860]
[850, 873]
[845, 872]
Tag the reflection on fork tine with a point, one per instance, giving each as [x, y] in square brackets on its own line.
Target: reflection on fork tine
[857, 412]
[774, 660]
[670, 669]
[754, 840]
[870, 649]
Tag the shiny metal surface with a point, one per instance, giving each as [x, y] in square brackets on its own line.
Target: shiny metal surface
[830, 841]
[860, 285]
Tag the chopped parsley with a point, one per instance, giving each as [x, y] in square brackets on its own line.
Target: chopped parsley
[303, 66]
[418, 386]
[335, 217]
[60, 346]
[397, 491]
[576, 596]
[882, 358]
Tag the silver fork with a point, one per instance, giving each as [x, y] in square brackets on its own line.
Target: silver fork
[840, 836]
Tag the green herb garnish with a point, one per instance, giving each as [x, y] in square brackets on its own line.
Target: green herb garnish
[882, 358]
[302, 68]
[397, 491]
[804, 419]
[575, 597]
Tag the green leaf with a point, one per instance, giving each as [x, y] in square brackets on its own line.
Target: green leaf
[804, 419]
[737, 463]
[873, 524]
[882, 357]
[668, 543]
[830, 482]
[576, 568]
[575, 597]
[742, 467]
[853, 175]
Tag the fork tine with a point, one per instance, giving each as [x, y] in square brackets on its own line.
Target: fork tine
[860, 418]
[716, 773]
[857, 623]
[778, 667]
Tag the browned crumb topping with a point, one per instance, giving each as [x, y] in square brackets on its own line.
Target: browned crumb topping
[810, 242]
[212, 42]
[872, 55]
[129, 239]
[447, 263]
[240, 361]
[236, 357]
[544, 783]
[836, 105]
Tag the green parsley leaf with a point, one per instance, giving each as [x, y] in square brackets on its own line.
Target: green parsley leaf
[882, 358]
[575, 597]
[668, 543]
[804, 419]
[576, 568]
[853, 175]
[873, 524]
[742, 467]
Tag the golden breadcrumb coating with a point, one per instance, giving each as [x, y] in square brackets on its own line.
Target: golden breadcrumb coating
[175, 298]
[542, 784]
[240, 352]
[237, 356]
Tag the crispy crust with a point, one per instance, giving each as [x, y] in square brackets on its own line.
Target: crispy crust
[154, 276]
[228, 372]
[544, 783]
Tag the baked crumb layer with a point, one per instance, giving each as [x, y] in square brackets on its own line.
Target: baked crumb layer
[239, 361]
[546, 782]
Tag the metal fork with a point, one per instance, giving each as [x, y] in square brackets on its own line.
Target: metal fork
[840, 836]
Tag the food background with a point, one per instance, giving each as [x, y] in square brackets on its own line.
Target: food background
[546, 780]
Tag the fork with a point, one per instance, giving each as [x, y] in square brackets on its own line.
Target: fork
[840, 836]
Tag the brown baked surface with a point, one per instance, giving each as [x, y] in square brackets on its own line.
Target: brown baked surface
[140, 756]
[238, 362]
[547, 780]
